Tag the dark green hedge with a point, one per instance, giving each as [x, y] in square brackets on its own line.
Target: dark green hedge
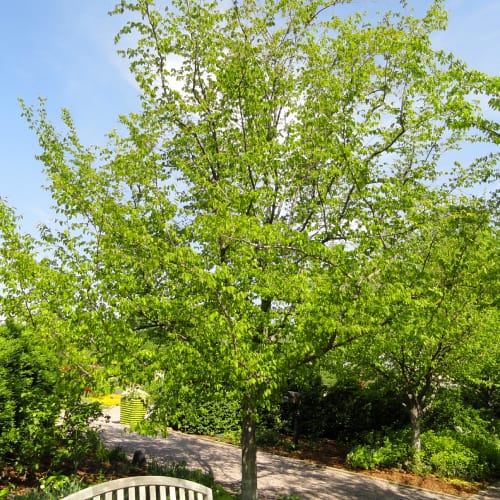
[345, 410]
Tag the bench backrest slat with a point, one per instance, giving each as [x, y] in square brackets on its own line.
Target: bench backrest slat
[163, 493]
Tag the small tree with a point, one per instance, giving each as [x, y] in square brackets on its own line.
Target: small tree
[437, 323]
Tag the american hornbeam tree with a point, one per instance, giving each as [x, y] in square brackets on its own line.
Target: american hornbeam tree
[234, 232]
[436, 310]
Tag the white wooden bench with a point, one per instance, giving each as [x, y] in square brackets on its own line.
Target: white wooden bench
[144, 488]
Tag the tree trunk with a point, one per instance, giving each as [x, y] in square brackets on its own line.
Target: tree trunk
[415, 420]
[248, 454]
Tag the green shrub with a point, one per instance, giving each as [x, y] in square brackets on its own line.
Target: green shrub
[390, 451]
[446, 454]
[448, 457]
[28, 397]
[461, 463]
[487, 448]
[463, 438]
[33, 394]
[465, 455]
[361, 457]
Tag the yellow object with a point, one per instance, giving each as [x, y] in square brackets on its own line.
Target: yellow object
[108, 399]
[132, 410]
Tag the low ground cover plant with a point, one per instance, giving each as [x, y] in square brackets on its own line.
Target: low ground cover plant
[449, 454]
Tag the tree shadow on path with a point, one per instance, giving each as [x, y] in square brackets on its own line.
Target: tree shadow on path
[277, 475]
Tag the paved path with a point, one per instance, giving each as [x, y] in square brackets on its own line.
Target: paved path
[492, 493]
[277, 476]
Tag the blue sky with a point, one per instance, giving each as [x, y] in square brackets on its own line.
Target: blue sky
[63, 50]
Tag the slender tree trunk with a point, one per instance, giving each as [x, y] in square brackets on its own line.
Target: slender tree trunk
[248, 454]
[415, 421]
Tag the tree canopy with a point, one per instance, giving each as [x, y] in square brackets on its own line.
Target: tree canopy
[240, 228]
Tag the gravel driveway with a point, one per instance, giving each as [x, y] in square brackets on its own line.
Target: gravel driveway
[277, 476]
